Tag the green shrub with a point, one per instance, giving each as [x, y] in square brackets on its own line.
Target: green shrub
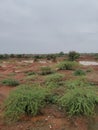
[79, 101]
[80, 82]
[79, 72]
[96, 56]
[61, 54]
[10, 82]
[73, 55]
[19, 56]
[37, 57]
[25, 100]
[30, 73]
[51, 57]
[46, 70]
[12, 55]
[54, 80]
[89, 70]
[31, 77]
[54, 77]
[4, 56]
[67, 65]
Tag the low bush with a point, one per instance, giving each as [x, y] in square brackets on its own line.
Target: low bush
[79, 101]
[67, 65]
[54, 80]
[46, 70]
[54, 77]
[51, 57]
[79, 72]
[25, 100]
[80, 82]
[30, 73]
[31, 77]
[10, 82]
[89, 70]
[37, 57]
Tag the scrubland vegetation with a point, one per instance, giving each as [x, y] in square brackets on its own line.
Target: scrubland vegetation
[63, 82]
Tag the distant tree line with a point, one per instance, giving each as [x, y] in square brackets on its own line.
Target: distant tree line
[72, 55]
[36, 56]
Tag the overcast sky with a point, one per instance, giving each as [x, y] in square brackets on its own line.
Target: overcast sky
[48, 26]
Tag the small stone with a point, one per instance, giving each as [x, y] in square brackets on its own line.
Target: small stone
[50, 126]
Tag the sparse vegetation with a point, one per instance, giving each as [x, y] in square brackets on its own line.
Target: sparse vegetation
[46, 70]
[25, 100]
[51, 57]
[67, 65]
[79, 72]
[31, 77]
[49, 90]
[30, 73]
[79, 101]
[89, 70]
[10, 82]
[80, 82]
[54, 80]
[54, 77]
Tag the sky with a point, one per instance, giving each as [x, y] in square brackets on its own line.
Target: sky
[48, 26]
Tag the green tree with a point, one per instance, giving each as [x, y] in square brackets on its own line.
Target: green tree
[73, 55]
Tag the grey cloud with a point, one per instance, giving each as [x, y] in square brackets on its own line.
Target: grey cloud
[45, 26]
